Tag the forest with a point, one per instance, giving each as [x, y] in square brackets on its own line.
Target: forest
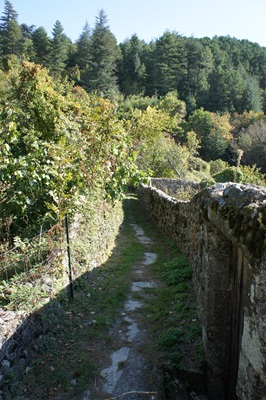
[97, 114]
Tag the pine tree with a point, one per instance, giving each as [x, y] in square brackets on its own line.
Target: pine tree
[41, 43]
[252, 95]
[132, 71]
[104, 57]
[83, 52]
[27, 30]
[9, 14]
[168, 68]
[59, 50]
[10, 31]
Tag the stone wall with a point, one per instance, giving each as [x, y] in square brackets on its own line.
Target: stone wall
[173, 187]
[223, 231]
[92, 238]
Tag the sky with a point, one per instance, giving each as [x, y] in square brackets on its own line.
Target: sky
[149, 19]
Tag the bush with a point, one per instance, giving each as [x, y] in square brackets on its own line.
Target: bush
[230, 174]
[217, 166]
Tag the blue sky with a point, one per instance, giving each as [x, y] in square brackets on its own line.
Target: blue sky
[149, 19]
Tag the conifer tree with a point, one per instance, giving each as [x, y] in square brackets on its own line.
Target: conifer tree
[83, 52]
[59, 50]
[9, 14]
[10, 30]
[42, 45]
[104, 57]
[168, 68]
[132, 70]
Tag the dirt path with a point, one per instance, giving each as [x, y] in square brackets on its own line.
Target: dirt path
[128, 374]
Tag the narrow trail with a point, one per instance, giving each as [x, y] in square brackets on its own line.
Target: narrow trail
[105, 344]
[129, 375]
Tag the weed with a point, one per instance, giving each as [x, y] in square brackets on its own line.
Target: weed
[171, 311]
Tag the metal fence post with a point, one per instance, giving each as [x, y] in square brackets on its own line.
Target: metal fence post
[69, 261]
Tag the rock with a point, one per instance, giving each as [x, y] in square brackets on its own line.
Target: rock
[46, 280]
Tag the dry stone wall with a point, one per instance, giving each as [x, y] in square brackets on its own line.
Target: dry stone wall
[223, 231]
[20, 332]
[174, 187]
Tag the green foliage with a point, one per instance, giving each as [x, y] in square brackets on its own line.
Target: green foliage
[252, 174]
[83, 52]
[132, 70]
[213, 131]
[35, 270]
[152, 122]
[41, 43]
[168, 62]
[105, 54]
[229, 174]
[221, 75]
[176, 271]
[59, 49]
[252, 141]
[10, 31]
[18, 295]
[217, 166]
[172, 313]
[56, 146]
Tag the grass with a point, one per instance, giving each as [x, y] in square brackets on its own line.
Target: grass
[171, 311]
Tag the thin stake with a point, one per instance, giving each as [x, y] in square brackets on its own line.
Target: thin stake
[40, 239]
[69, 261]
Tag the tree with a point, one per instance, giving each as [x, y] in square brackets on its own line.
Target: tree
[132, 70]
[27, 30]
[213, 131]
[59, 50]
[27, 50]
[149, 124]
[252, 98]
[193, 51]
[175, 108]
[105, 54]
[252, 141]
[83, 50]
[82, 56]
[10, 30]
[41, 43]
[168, 63]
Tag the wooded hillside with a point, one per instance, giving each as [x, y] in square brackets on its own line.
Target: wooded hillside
[219, 74]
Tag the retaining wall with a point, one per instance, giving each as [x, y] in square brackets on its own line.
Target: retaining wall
[92, 238]
[223, 231]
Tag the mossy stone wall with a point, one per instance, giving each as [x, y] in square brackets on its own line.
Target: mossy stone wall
[223, 231]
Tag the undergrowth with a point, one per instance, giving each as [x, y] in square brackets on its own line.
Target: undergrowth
[172, 313]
